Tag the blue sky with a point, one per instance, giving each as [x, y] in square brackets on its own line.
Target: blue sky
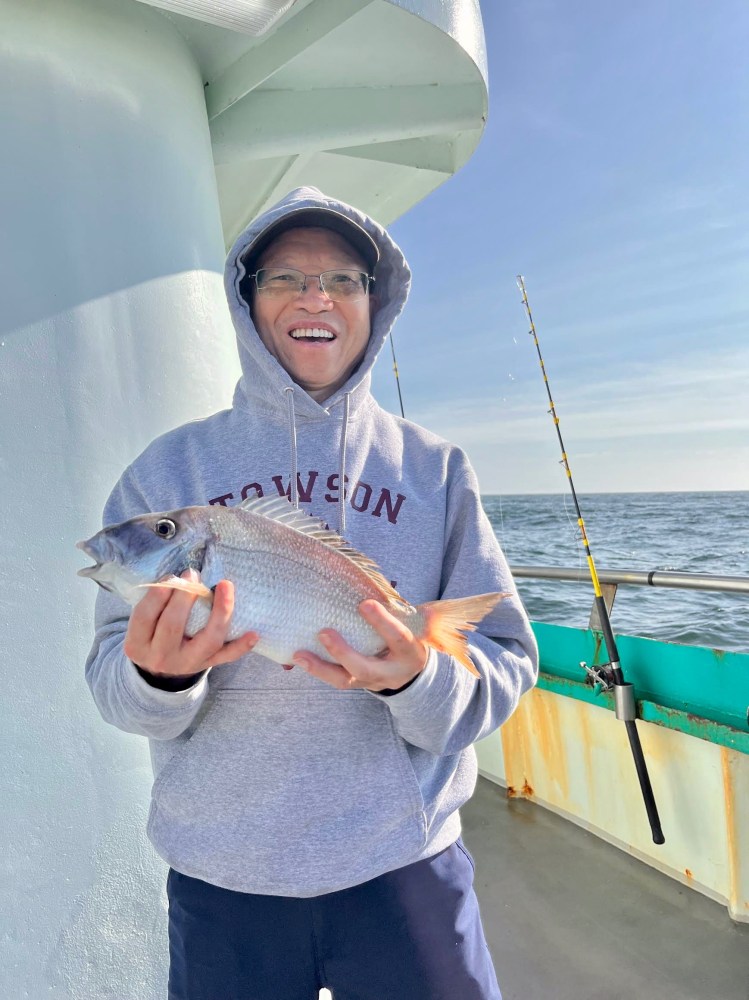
[614, 174]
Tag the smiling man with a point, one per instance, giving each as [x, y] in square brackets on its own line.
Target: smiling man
[310, 816]
[317, 329]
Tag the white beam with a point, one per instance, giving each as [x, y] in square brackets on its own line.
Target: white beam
[289, 175]
[261, 62]
[428, 153]
[280, 122]
[254, 17]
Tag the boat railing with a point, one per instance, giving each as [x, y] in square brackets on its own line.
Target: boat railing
[638, 578]
[611, 579]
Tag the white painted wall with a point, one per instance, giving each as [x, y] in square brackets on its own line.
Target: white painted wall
[574, 758]
[111, 255]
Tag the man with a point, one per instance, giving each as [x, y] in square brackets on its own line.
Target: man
[310, 816]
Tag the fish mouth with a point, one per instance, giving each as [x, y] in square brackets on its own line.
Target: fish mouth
[104, 554]
[108, 571]
[89, 571]
[97, 572]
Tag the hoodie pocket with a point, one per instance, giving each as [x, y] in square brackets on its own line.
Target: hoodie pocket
[289, 793]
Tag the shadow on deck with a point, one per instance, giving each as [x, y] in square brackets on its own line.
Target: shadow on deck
[569, 917]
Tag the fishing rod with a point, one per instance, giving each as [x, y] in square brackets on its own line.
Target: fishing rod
[395, 369]
[608, 675]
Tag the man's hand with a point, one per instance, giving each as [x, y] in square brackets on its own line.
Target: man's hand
[404, 658]
[156, 641]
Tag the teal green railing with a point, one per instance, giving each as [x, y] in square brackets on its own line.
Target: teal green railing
[699, 691]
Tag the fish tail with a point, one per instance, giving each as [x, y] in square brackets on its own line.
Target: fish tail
[446, 621]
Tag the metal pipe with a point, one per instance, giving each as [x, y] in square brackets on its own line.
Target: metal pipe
[639, 578]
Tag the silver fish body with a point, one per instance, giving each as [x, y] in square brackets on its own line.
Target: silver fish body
[292, 577]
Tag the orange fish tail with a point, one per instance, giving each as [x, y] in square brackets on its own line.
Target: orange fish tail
[446, 621]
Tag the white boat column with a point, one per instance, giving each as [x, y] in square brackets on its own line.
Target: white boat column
[114, 328]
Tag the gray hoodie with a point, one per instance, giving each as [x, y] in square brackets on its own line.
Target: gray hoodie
[270, 781]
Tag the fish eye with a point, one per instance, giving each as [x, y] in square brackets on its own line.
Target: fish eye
[165, 528]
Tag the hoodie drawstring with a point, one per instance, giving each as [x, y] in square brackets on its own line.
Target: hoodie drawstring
[342, 468]
[294, 496]
[293, 475]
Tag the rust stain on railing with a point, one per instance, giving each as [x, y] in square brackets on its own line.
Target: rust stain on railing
[526, 792]
[534, 738]
[729, 793]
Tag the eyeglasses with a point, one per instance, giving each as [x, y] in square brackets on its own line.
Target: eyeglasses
[341, 285]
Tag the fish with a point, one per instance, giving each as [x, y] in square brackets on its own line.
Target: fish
[292, 576]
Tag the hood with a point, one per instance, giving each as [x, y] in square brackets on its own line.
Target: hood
[263, 379]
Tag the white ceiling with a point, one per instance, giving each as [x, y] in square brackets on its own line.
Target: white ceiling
[373, 101]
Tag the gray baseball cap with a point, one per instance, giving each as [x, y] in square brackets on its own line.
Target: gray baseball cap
[325, 218]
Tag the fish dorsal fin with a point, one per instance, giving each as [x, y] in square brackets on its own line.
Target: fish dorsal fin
[280, 509]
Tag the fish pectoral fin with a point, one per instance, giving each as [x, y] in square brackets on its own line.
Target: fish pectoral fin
[187, 586]
[212, 569]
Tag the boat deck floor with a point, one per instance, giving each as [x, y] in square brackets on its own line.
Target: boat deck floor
[569, 917]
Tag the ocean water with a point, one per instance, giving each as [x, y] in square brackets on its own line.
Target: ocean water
[678, 532]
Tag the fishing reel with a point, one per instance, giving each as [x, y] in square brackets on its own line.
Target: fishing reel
[600, 677]
[603, 678]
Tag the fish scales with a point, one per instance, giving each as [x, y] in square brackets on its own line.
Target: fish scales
[286, 584]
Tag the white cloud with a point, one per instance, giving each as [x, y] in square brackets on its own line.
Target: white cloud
[683, 421]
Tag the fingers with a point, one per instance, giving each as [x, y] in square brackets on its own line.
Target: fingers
[403, 647]
[404, 657]
[235, 649]
[170, 628]
[339, 650]
[145, 617]
[364, 671]
[330, 673]
[156, 639]
[396, 636]
[211, 637]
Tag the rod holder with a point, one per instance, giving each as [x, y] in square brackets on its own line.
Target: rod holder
[624, 702]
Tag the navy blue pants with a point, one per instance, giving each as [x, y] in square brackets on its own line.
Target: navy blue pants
[412, 934]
